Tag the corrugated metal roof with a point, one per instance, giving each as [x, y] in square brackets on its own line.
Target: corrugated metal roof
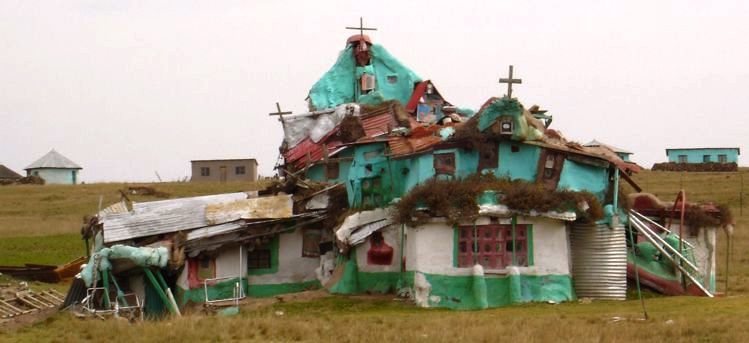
[279, 206]
[378, 124]
[595, 143]
[53, 159]
[298, 154]
[158, 217]
[409, 145]
[214, 230]
[118, 207]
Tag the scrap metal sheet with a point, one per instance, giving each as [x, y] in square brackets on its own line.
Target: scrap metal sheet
[279, 206]
[165, 216]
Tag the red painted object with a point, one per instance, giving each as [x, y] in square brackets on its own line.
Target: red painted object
[379, 253]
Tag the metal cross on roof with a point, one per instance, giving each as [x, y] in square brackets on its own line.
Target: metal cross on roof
[279, 112]
[361, 27]
[509, 81]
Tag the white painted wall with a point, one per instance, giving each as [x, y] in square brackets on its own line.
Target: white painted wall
[391, 235]
[704, 253]
[56, 176]
[292, 267]
[430, 248]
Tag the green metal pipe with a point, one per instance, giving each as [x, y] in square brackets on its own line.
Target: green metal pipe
[159, 290]
[514, 224]
[162, 281]
[637, 274]
[475, 245]
[105, 284]
[120, 293]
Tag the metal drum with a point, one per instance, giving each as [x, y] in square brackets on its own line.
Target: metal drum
[599, 261]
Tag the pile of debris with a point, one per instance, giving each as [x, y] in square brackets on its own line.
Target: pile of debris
[27, 180]
[44, 272]
[145, 190]
[696, 167]
[155, 257]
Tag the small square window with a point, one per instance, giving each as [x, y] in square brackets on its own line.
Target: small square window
[705, 158]
[488, 156]
[206, 268]
[682, 158]
[444, 163]
[311, 243]
[205, 171]
[258, 259]
[332, 170]
[722, 158]
[392, 79]
[506, 127]
[239, 170]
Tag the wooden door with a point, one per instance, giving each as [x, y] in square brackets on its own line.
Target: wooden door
[222, 173]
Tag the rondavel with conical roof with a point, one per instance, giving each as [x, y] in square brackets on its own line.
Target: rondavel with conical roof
[55, 168]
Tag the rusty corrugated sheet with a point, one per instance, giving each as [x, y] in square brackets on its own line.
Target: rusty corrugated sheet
[378, 124]
[271, 207]
[599, 261]
[408, 145]
[298, 155]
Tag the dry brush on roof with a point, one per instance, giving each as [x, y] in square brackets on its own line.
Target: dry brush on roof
[456, 200]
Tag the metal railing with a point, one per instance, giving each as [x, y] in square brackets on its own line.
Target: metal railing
[238, 292]
[667, 252]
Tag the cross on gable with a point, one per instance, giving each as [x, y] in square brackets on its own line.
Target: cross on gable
[279, 113]
[509, 81]
[361, 27]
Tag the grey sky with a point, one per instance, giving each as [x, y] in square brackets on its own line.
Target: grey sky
[126, 88]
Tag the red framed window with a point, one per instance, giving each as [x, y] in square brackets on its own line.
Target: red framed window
[492, 246]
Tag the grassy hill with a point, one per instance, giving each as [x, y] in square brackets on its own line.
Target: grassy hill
[41, 224]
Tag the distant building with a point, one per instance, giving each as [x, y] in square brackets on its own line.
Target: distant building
[623, 154]
[6, 174]
[55, 168]
[703, 155]
[224, 170]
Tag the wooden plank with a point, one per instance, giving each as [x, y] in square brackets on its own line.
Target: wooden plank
[10, 306]
[29, 303]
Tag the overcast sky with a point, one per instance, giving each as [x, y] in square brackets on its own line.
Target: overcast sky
[126, 88]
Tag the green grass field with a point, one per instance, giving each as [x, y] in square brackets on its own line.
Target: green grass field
[40, 225]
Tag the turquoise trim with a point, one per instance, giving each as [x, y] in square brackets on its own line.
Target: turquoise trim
[529, 240]
[456, 239]
[225, 290]
[273, 246]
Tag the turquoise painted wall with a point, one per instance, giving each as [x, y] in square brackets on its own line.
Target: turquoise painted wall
[57, 176]
[623, 156]
[339, 85]
[696, 155]
[317, 172]
[522, 164]
[582, 177]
